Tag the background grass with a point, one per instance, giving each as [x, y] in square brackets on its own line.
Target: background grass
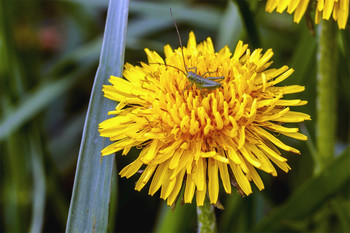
[49, 57]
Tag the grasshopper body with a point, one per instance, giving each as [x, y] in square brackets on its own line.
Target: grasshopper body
[201, 82]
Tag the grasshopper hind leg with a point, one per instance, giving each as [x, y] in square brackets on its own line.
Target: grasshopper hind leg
[216, 78]
[188, 87]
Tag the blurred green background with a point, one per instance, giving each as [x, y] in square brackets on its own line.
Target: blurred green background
[49, 56]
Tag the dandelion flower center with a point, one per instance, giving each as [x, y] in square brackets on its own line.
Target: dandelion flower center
[198, 136]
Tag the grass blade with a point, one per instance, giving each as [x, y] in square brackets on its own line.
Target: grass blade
[33, 104]
[230, 29]
[89, 208]
[249, 23]
[39, 181]
[45, 93]
[310, 195]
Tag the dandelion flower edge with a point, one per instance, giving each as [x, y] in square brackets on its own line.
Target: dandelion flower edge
[324, 9]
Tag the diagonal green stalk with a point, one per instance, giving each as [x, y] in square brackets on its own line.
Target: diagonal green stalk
[326, 93]
[90, 204]
[309, 196]
[206, 218]
[250, 25]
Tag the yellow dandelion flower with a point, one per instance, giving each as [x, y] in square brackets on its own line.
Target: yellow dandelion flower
[193, 137]
[324, 9]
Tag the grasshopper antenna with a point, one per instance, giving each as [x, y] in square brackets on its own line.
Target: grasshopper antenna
[178, 35]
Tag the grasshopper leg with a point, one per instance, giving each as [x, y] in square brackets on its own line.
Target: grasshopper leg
[215, 78]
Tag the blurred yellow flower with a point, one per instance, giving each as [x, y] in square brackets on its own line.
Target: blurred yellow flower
[324, 9]
[189, 136]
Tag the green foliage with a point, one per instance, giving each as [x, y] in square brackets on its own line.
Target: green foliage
[49, 57]
[89, 209]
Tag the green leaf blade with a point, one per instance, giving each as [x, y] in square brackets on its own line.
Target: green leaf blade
[312, 194]
[89, 209]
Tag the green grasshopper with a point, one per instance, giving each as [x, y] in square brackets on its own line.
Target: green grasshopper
[201, 82]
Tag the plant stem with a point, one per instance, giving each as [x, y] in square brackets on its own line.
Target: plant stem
[206, 218]
[326, 93]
